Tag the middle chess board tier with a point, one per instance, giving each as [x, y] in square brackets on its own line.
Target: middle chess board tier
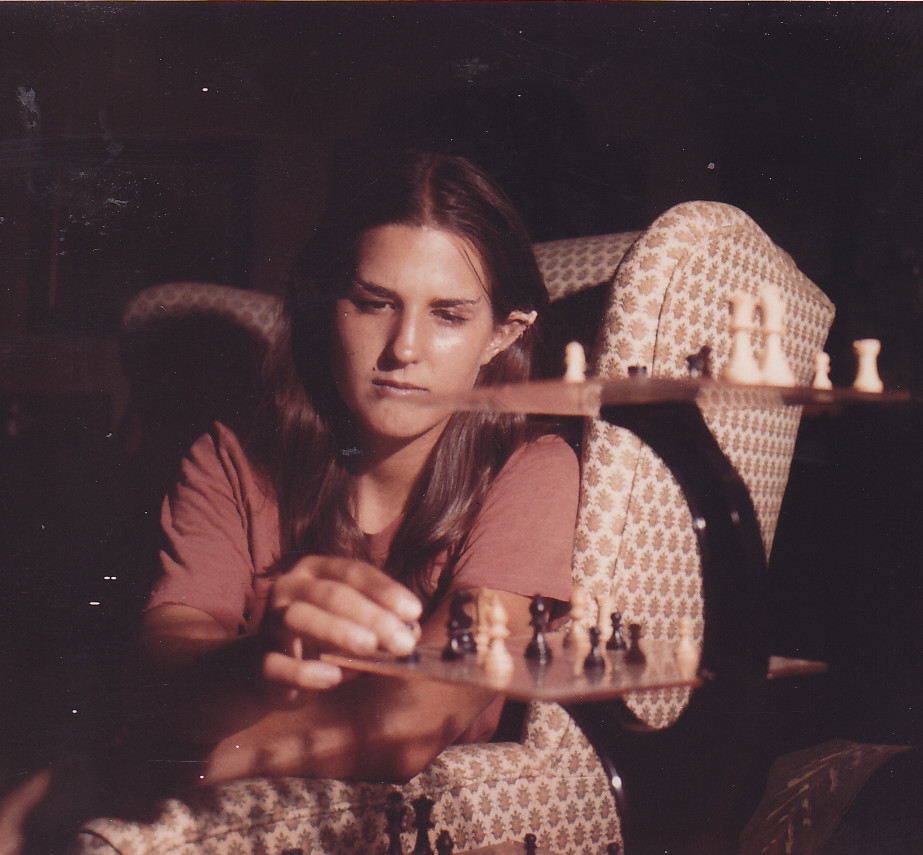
[564, 678]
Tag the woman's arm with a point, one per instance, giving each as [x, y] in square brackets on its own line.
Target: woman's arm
[369, 728]
[196, 683]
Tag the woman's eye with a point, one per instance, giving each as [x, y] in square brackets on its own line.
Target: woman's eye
[450, 317]
[366, 305]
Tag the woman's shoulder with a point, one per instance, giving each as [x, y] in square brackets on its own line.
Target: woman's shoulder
[220, 451]
[218, 443]
[547, 457]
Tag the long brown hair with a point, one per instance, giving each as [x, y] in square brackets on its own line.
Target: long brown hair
[305, 440]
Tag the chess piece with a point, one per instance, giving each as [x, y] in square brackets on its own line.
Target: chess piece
[574, 363]
[416, 630]
[594, 662]
[461, 641]
[634, 655]
[531, 843]
[773, 364]
[742, 366]
[422, 808]
[538, 649]
[394, 819]
[444, 843]
[577, 635]
[603, 610]
[481, 638]
[497, 662]
[616, 640]
[686, 651]
[821, 371]
[867, 379]
[699, 364]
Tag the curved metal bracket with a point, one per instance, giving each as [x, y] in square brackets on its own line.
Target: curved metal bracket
[680, 786]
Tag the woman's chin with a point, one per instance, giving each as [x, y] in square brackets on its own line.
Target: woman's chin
[408, 428]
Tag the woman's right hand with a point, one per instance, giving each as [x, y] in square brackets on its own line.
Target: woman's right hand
[326, 604]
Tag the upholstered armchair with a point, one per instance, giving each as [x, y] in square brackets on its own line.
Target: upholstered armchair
[663, 294]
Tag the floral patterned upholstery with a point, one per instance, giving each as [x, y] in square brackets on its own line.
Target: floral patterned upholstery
[635, 540]
[666, 298]
[550, 785]
[253, 310]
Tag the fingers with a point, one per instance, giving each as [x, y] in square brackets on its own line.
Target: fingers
[363, 579]
[334, 604]
[340, 618]
[307, 674]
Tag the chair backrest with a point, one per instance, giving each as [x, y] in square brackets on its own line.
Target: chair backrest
[191, 352]
[668, 298]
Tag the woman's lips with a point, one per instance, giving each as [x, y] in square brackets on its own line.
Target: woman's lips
[393, 387]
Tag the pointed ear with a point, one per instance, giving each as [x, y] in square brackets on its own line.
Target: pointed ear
[506, 333]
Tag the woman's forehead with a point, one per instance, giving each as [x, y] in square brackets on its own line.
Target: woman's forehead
[398, 255]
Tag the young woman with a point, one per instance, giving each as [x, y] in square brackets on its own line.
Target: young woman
[353, 511]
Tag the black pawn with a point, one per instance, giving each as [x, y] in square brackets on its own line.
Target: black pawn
[394, 813]
[531, 844]
[444, 843]
[635, 655]
[616, 640]
[538, 649]
[699, 364]
[461, 640]
[422, 808]
[594, 659]
[413, 656]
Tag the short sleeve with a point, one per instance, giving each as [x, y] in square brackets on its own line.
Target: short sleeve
[219, 530]
[522, 539]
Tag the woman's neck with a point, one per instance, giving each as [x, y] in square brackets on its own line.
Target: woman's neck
[386, 476]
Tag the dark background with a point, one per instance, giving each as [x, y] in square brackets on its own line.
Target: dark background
[144, 142]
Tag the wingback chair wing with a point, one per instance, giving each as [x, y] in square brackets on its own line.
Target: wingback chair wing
[666, 292]
[669, 298]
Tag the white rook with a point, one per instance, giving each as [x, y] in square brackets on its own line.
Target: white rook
[741, 366]
[867, 379]
[774, 366]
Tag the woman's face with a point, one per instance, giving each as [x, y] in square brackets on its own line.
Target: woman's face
[415, 322]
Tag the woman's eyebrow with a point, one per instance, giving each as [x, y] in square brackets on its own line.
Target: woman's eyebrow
[454, 304]
[376, 290]
[388, 294]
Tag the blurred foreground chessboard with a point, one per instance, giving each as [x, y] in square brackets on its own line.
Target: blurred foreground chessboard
[506, 849]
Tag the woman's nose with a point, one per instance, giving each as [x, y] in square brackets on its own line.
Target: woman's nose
[406, 339]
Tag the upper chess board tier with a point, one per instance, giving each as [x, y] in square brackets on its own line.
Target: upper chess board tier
[587, 398]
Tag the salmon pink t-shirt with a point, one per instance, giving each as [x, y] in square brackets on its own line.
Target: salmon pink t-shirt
[221, 538]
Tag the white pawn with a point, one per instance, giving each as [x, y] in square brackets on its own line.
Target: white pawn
[821, 371]
[574, 363]
[481, 636]
[498, 662]
[686, 651]
[773, 365]
[867, 379]
[604, 603]
[578, 635]
[742, 366]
